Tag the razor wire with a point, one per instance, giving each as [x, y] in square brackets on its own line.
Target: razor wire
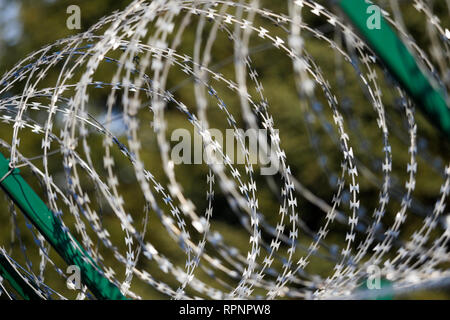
[141, 46]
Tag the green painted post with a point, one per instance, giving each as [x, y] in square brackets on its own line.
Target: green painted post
[401, 63]
[24, 289]
[385, 286]
[50, 227]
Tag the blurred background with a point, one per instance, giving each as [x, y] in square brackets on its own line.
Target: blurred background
[312, 153]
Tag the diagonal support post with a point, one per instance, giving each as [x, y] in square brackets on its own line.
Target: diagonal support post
[50, 227]
[401, 63]
[24, 287]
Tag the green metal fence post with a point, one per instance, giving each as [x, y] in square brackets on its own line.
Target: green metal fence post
[401, 63]
[50, 227]
[17, 282]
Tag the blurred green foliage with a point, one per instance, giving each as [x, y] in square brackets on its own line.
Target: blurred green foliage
[45, 22]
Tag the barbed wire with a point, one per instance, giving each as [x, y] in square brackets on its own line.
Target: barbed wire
[143, 50]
